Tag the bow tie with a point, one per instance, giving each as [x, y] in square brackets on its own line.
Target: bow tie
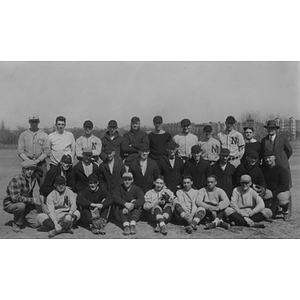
[171, 158]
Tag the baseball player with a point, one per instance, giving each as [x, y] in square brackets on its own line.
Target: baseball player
[128, 200]
[185, 208]
[247, 208]
[159, 204]
[88, 140]
[133, 140]
[112, 138]
[214, 201]
[19, 200]
[60, 142]
[251, 144]
[185, 140]
[95, 203]
[232, 140]
[210, 147]
[31, 145]
[158, 139]
[63, 213]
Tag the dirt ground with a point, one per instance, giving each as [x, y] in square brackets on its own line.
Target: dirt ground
[10, 166]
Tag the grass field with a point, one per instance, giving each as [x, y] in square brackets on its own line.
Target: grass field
[10, 166]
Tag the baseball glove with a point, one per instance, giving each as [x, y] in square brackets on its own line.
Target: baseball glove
[165, 197]
[97, 221]
[66, 223]
[39, 171]
[259, 189]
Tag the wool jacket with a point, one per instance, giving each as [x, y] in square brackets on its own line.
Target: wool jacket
[122, 196]
[116, 142]
[158, 144]
[86, 197]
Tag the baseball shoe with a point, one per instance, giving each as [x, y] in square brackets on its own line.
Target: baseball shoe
[53, 233]
[286, 216]
[163, 229]
[157, 228]
[126, 230]
[258, 225]
[15, 227]
[224, 225]
[132, 229]
[95, 230]
[102, 231]
[189, 229]
[211, 225]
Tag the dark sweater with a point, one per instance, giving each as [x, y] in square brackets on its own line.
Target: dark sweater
[116, 142]
[225, 178]
[158, 144]
[277, 179]
[86, 197]
[199, 171]
[122, 196]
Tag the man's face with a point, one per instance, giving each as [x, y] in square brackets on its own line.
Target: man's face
[224, 158]
[28, 171]
[208, 134]
[93, 185]
[158, 126]
[144, 154]
[187, 184]
[248, 134]
[229, 125]
[196, 156]
[171, 152]
[128, 182]
[110, 155]
[60, 126]
[271, 130]
[112, 129]
[65, 166]
[86, 157]
[135, 126]
[88, 130]
[252, 160]
[211, 183]
[60, 187]
[245, 186]
[270, 160]
[159, 184]
[34, 124]
[186, 128]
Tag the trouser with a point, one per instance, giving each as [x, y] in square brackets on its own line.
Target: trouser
[133, 215]
[44, 219]
[198, 215]
[86, 215]
[239, 220]
[160, 214]
[23, 212]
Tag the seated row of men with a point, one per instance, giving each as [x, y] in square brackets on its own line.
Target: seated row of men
[191, 192]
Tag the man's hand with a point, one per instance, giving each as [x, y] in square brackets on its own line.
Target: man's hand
[57, 226]
[249, 221]
[125, 211]
[129, 206]
[96, 205]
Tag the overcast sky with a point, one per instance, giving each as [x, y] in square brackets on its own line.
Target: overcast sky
[100, 91]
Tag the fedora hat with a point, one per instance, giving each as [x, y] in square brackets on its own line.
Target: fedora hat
[272, 123]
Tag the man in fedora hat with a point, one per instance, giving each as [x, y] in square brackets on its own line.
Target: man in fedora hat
[281, 147]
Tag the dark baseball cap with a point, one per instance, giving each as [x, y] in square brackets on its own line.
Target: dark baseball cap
[66, 159]
[88, 123]
[185, 122]
[230, 119]
[269, 153]
[112, 123]
[135, 119]
[225, 152]
[60, 180]
[172, 145]
[207, 128]
[93, 178]
[157, 119]
[196, 149]
[252, 153]
[109, 148]
[143, 147]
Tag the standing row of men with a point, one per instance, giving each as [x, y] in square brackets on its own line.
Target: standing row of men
[197, 159]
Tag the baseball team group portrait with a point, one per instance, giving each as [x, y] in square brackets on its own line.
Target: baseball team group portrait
[149, 150]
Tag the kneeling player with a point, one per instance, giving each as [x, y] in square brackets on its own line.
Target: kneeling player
[247, 207]
[63, 213]
[185, 209]
[214, 200]
[129, 200]
[95, 205]
[159, 204]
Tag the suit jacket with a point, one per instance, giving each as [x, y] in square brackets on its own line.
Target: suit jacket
[111, 180]
[172, 176]
[80, 179]
[145, 182]
[282, 149]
